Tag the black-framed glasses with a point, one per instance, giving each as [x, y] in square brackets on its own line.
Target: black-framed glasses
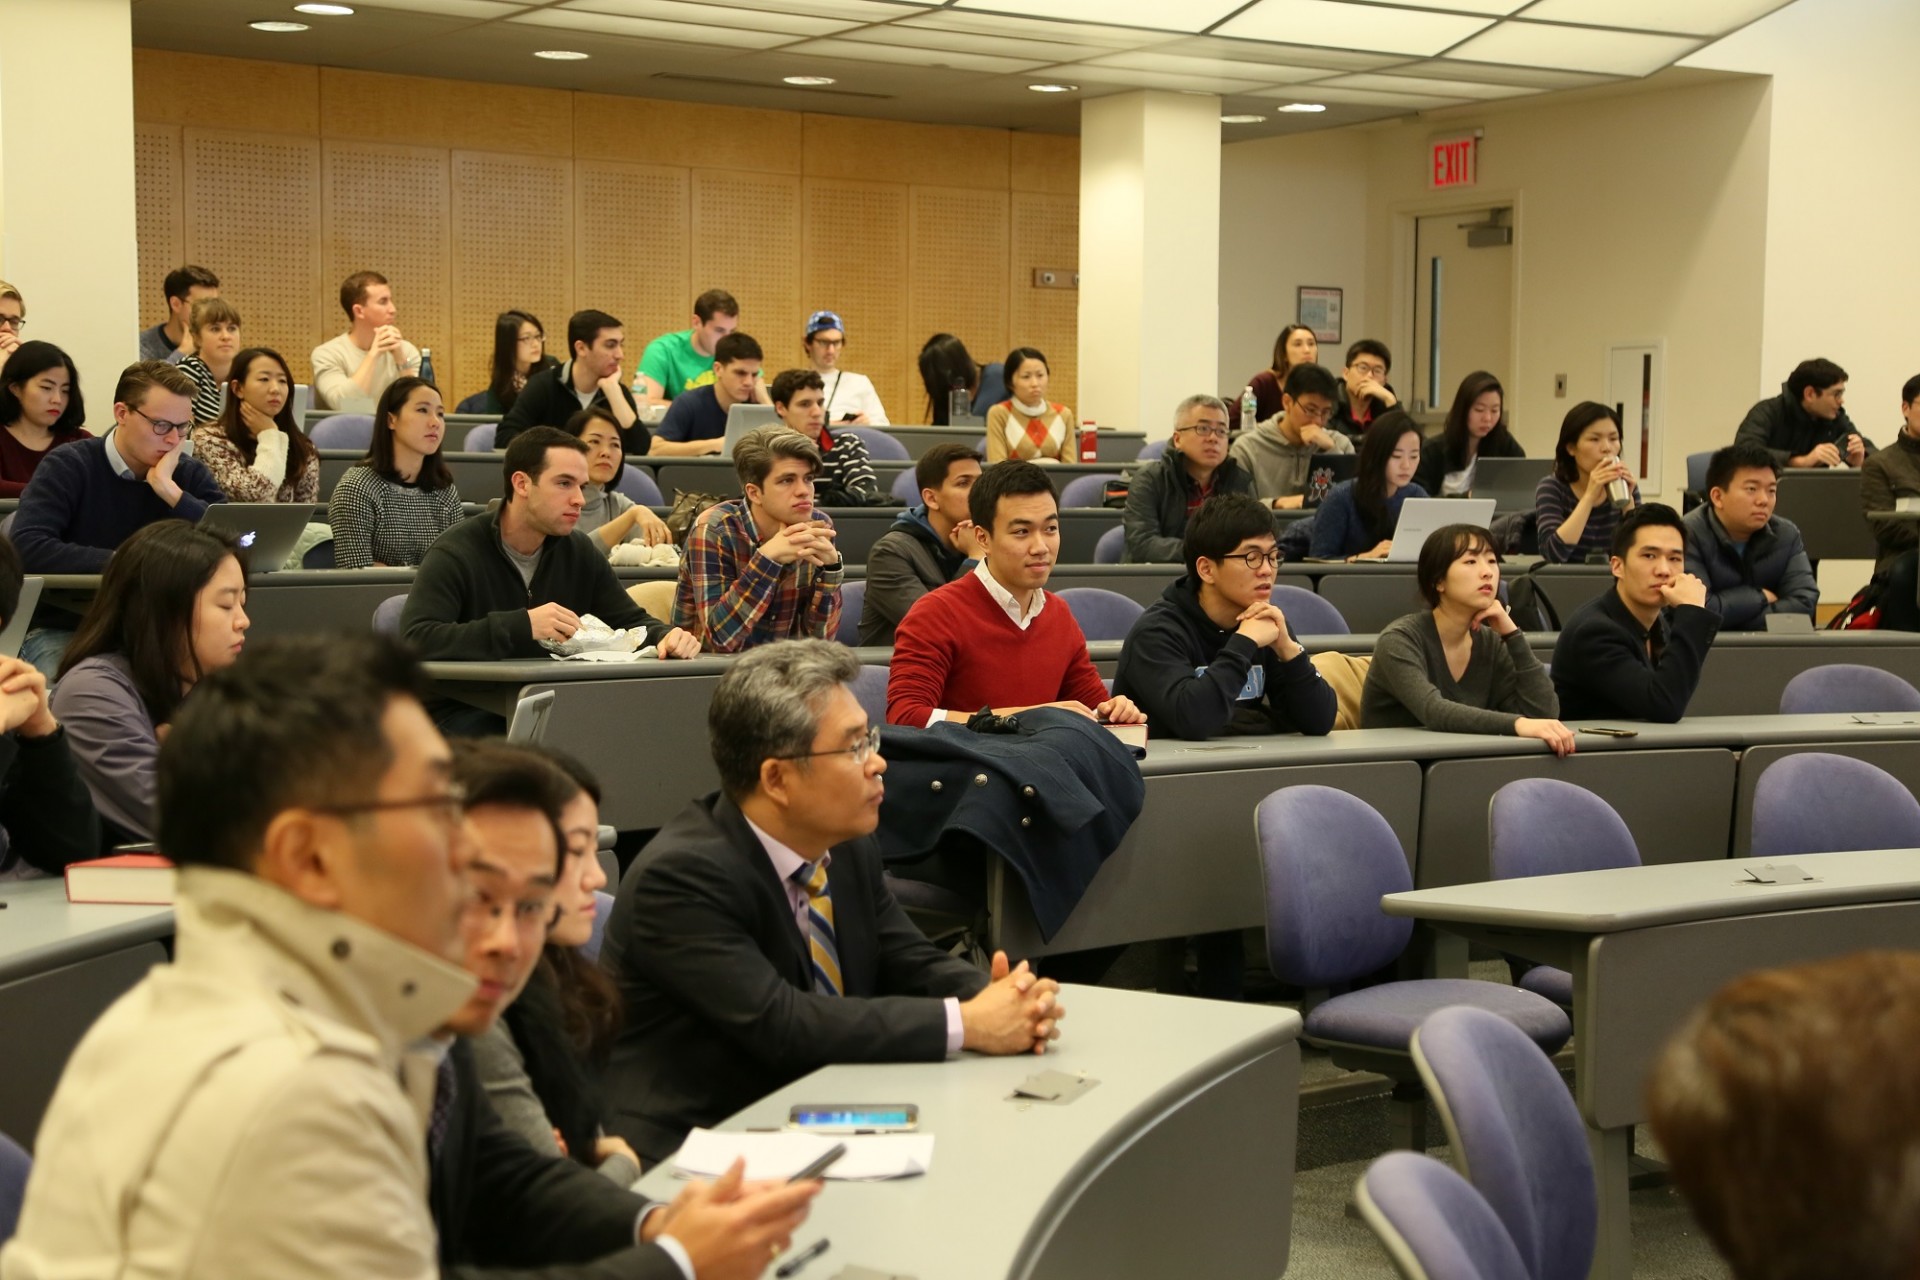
[160, 426]
[16, 323]
[1207, 433]
[1254, 559]
[452, 804]
[1369, 370]
[861, 751]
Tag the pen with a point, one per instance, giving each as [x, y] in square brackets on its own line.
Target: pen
[791, 1267]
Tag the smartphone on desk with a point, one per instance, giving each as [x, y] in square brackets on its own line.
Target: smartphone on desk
[1610, 733]
[895, 1117]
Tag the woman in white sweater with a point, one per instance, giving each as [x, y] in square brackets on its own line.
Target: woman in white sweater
[254, 449]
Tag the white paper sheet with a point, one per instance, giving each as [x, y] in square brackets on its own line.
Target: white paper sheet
[870, 1157]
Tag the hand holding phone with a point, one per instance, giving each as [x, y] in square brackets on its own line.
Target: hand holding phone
[821, 1165]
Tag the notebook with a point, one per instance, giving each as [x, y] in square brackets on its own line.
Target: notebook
[268, 531]
[144, 879]
[1421, 516]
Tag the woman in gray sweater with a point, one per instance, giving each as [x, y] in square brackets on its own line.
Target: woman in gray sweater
[1463, 666]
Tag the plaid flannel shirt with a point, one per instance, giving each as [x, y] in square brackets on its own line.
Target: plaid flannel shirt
[732, 598]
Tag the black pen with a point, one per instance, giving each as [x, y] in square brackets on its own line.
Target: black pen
[791, 1267]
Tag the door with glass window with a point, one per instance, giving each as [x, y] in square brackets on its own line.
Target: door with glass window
[1463, 307]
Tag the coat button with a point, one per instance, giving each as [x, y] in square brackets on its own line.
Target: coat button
[938, 785]
[341, 949]
[1026, 822]
[1027, 792]
[407, 988]
[979, 779]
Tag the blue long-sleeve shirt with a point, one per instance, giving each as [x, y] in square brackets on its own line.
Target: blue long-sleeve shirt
[78, 508]
[1339, 530]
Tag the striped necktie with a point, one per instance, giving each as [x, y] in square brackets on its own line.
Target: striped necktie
[820, 940]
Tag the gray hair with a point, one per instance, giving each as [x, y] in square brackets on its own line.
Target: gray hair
[754, 456]
[1191, 403]
[768, 705]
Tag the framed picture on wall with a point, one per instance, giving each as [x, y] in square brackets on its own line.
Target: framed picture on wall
[1319, 310]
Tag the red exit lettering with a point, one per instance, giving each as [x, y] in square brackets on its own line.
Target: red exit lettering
[1453, 163]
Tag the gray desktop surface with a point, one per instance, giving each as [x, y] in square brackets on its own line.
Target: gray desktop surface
[1178, 1162]
[41, 931]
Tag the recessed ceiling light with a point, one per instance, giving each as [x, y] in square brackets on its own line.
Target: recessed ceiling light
[325, 10]
[561, 55]
[1305, 106]
[809, 82]
[1053, 88]
[1243, 119]
[278, 27]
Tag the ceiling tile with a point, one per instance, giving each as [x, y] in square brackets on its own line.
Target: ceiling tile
[1001, 24]
[811, 23]
[1492, 8]
[1026, 52]
[1493, 73]
[452, 8]
[1177, 64]
[1086, 74]
[863, 51]
[1540, 44]
[1375, 28]
[1391, 82]
[1291, 55]
[1187, 15]
[1695, 17]
[734, 37]
[1362, 97]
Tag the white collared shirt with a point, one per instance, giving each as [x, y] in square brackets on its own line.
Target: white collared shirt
[115, 460]
[1004, 598]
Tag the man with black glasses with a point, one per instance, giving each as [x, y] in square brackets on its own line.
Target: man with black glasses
[1163, 495]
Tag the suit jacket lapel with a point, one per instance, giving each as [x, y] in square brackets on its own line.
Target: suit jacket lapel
[770, 893]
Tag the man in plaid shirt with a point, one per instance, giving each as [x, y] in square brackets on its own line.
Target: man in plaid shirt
[762, 567]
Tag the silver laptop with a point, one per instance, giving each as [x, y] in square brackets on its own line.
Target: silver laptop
[16, 628]
[1510, 482]
[529, 725]
[1421, 516]
[742, 418]
[269, 531]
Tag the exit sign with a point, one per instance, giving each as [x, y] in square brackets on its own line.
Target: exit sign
[1452, 162]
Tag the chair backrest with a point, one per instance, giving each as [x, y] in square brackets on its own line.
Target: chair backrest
[638, 484]
[1516, 1135]
[1840, 688]
[480, 439]
[1544, 826]
[475, 403]
[1087, 491]
[853, 598]
[1102, 614]
[1814, 802]
[15, 631]
[342, 431]
[1326, 857]
[1112, 547]
[906, 487]
[1151, 451]
[1697, 471]
[1432, 1223]
[602, 908]
[880, 444]
[1308, 612]
[655, 597]
[15, 1165]
[386, 615]
[870, 691]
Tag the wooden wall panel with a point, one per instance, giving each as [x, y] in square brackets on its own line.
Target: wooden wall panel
[252, 214]
[1048, 162]
[1046, 233]
[917, 154]
[956, 241]
[634, 254]
[423, 111]
[746, 240]
[220, 93]
[387, 211]
[512, 247]
[856, 265]
[159, 190]
[694, 135]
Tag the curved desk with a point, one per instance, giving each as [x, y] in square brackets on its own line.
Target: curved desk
[1179, 1162]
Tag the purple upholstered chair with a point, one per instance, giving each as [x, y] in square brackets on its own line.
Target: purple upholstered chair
[15, 1165]
[1327, 857]
[1308, 613]
[1814, 802]
[1433, 1224]
[1102, 614]
[1516, 1136]
[1112, 547]
[853, 598]
[1845, 687]
[479, 439]
[870, 691]
[1088, 490]
[881, 444]
[638, 484]
[1151, 451]
[1543, 827]
[906, 487]
[342, 431]
[386, 615]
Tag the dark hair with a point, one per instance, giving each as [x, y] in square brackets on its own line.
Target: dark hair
[789, 382]
[30, 360]
[1454, 435]
[296, 721]
[1444, 546]
[945, 365]
[1813, 375]
[760, 448]
[1370, 347]
[434, 473]
[715, 302]
[1220, 524]
[493, 771]
[12, 576]
[1280, 366]
[576, 427]
[583, 328]
[1725, 462]
[1578, 419]
[1370, 471]
[230, 425]
[215, 310]
[1311, 380]
[143, 376]
[506, 355]
[353, 290]
[528, 453]
[736, 346]
[1648, 515]
[144, 609]
[767, 706]
[1910, 390]
[934, 465]
[1009, 479]
[1017, 357]
[181, 281]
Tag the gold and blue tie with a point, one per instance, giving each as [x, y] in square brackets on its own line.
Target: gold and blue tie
[820, 940]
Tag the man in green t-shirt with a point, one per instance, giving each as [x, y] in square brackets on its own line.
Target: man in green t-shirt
[678, 362]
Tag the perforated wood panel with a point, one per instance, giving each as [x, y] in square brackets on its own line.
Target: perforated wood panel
[686, 134]
[252, 214]
[1046, 233]
[387, 211]
[634, 249]
[746, 240]
[856, 265]
[1047, 162]
[956, 278]
[933, 154]
[512, 247]
[203, 91]
[444, 113]
[159, 190]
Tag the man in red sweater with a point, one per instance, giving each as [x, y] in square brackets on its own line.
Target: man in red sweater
[993, 638]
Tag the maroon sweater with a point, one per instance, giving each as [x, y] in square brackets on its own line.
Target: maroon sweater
[17, 462]
[957, 650]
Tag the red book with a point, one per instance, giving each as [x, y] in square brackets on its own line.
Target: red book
[140, 879]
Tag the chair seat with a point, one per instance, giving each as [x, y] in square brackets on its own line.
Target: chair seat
[1386, 1016]
[918, 895]
[1555, 984]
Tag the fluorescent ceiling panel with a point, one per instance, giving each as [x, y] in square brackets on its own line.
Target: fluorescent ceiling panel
[1000, 24]
[1491, 73]
[1695, 17]
[1168, 15]
[1288, 55]
[1493, 8]
[1538, 44]
[1026, 52]
[450, 8]
[720, 15]
[1377, 28]
[860, 51]
[1360, 97]
[705, 15]
[1388, 82]
[1175, 64]
[1082, 73]
[645, 29]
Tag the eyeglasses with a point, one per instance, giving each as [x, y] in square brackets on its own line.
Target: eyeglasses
[1206, 433]
[1312, 414]
[533, 337]
[861, 751]
[452, 804]
[1255, 559]
[1369, 370]
[160, 426]
[15, 323]
[829, 342]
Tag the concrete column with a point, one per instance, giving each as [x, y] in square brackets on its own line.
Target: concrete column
[67, 228]
[1149, 256]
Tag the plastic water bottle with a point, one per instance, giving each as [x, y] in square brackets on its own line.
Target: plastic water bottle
[426, 365]
[1089, 441]
[1249, 408]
